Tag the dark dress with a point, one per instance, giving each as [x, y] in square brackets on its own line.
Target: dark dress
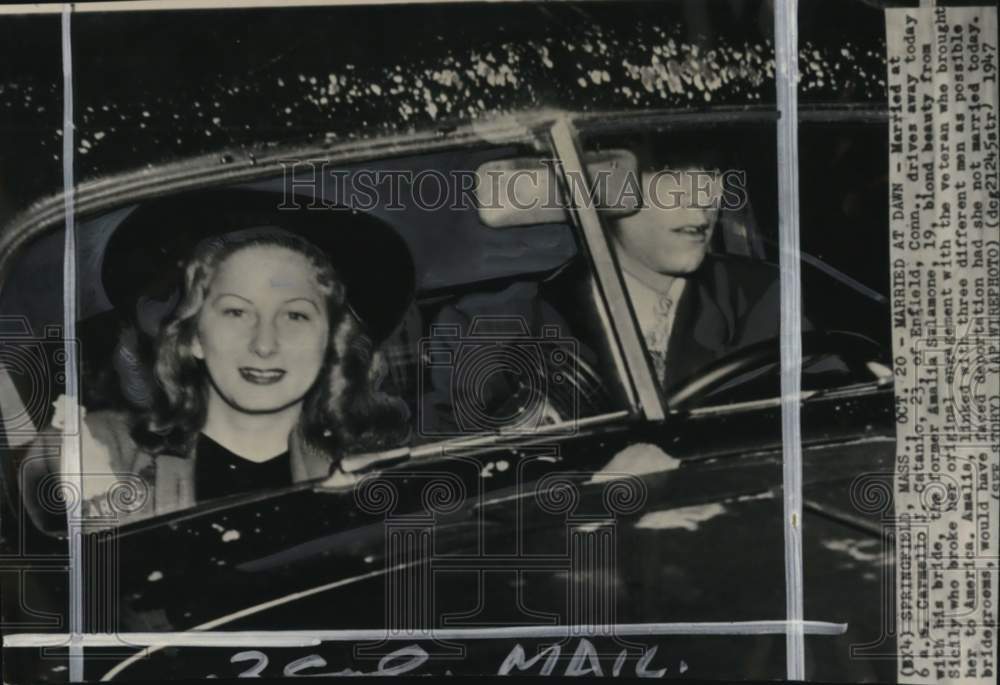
[220, 472]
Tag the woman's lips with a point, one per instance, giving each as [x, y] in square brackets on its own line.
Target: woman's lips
[261, 376]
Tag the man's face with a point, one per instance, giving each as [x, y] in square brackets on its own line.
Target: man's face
[673, 230]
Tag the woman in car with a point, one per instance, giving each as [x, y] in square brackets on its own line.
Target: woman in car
[265, 377]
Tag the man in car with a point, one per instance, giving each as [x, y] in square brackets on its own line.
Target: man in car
[693, 305]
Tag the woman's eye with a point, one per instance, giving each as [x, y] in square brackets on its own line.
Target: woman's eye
[298, 316]
[234, 312]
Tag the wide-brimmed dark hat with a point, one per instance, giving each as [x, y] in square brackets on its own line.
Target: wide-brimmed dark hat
[146, 254]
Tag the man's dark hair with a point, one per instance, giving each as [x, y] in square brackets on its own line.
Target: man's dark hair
[679, 148]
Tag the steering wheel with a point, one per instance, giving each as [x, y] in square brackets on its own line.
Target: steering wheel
[579, 390]
[558, 385]
[853, 348]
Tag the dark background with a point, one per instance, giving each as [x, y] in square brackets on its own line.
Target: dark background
[153, 86]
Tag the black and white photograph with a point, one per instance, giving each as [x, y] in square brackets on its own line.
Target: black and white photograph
[611, 338]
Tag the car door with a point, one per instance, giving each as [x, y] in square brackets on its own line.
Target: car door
[728, 435]
[237, 561]
[473, 528]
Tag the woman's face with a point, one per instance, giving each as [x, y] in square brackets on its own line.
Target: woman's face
[263, 330]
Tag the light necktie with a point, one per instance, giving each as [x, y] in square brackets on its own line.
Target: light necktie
[658, 334]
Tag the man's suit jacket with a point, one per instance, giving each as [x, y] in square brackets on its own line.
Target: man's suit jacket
[728, 303]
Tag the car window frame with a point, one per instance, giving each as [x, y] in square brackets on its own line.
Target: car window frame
[104, 195]
[582, 125]
[566, 143]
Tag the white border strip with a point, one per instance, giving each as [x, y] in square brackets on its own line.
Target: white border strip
[71, 464]
[170, 5]
[310, 638]
[786, 83]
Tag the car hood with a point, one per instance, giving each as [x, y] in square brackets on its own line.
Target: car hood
[646, 546]
[656, 570]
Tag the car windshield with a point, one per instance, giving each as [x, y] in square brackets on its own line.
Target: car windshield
[699, 262]
[493, 329]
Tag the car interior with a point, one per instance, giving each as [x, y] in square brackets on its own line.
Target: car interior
[465, 269]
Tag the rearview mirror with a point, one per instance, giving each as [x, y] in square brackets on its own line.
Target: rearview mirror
[525, 191]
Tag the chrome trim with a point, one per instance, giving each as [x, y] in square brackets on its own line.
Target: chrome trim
[243, 165]
[609, 120]
[736, 407]
[375, 461]
[596, 122]
[609, 332]
[556, 431]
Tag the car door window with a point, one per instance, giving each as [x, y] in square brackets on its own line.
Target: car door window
[503, 332]
[700, 265]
